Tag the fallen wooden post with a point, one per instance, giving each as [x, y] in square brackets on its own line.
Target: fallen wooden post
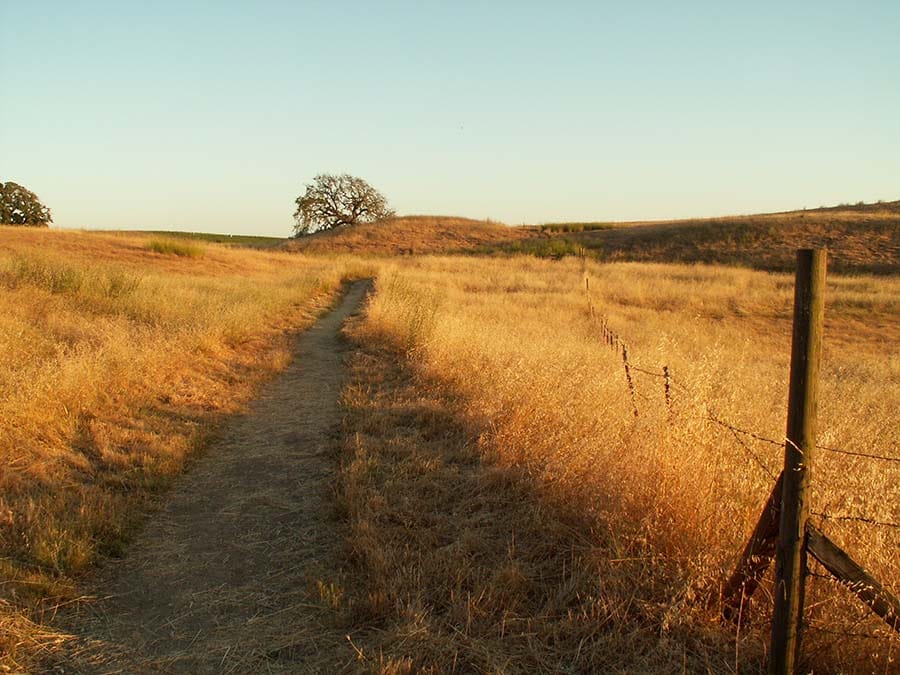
[854, 577]
[755, 559]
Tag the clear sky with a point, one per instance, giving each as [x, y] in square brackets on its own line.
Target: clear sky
[211, 116]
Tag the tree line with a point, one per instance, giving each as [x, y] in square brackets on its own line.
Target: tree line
[330, 201]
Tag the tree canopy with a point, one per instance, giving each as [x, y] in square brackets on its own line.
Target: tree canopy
[20, 206]
[331, 201]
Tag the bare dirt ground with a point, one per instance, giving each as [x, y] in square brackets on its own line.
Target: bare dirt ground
[227, 576]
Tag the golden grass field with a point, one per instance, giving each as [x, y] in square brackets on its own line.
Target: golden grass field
[659, 509]
[505, 511]
[116, 359]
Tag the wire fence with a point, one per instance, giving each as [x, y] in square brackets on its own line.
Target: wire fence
[745, 439]
[617, 343]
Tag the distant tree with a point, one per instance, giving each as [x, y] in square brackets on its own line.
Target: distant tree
[20, 206]
[332, 201]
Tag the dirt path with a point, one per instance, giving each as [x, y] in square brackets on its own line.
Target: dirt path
[224, 578]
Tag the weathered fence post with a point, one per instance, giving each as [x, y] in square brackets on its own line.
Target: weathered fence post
[853, 576]
[628, 378]
[755, 559]
[806, 349]
[667, 380]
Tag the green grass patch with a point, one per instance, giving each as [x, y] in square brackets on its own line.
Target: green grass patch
[555, 247]
[185, 249]
[576, 227]
[245, 240]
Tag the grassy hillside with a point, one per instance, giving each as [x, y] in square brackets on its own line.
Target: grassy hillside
[247, 240]
[117, 356]
[411, 235]
[862, 239]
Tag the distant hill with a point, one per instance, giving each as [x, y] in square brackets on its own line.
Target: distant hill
[411, 235]
[862, 238]
[243, 240]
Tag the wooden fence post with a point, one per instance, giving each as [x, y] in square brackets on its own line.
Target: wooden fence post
[806, 349]
[667, 384]
[628, 378]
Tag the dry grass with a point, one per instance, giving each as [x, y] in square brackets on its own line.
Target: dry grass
[507, 512]
[115, 363]
[464, 565]
[588, 539]
[411, 235]
[862, 239]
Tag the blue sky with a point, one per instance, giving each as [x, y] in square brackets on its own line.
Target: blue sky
[211, 116]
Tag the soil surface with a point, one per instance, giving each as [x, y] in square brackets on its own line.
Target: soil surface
[227, 577]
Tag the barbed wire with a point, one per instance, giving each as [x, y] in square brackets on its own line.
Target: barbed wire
[614, 341]
[827, 643]
[735, 431]
[841, 633]
[753, 456]
[856, 453]
[677, 384]
[712, 417]
[853, 518]
[647, 372]
[891, 588]
[852, 453]
[641, 395]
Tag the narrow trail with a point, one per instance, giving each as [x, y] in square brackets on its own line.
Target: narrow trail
[224, 578]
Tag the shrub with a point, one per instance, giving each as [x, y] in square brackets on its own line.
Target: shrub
[576, 227]
[557, 247]
[56, 277]
[62, 278]
[172, 247]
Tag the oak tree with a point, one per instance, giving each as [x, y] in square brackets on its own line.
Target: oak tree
[332, 201]
[20, 206]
